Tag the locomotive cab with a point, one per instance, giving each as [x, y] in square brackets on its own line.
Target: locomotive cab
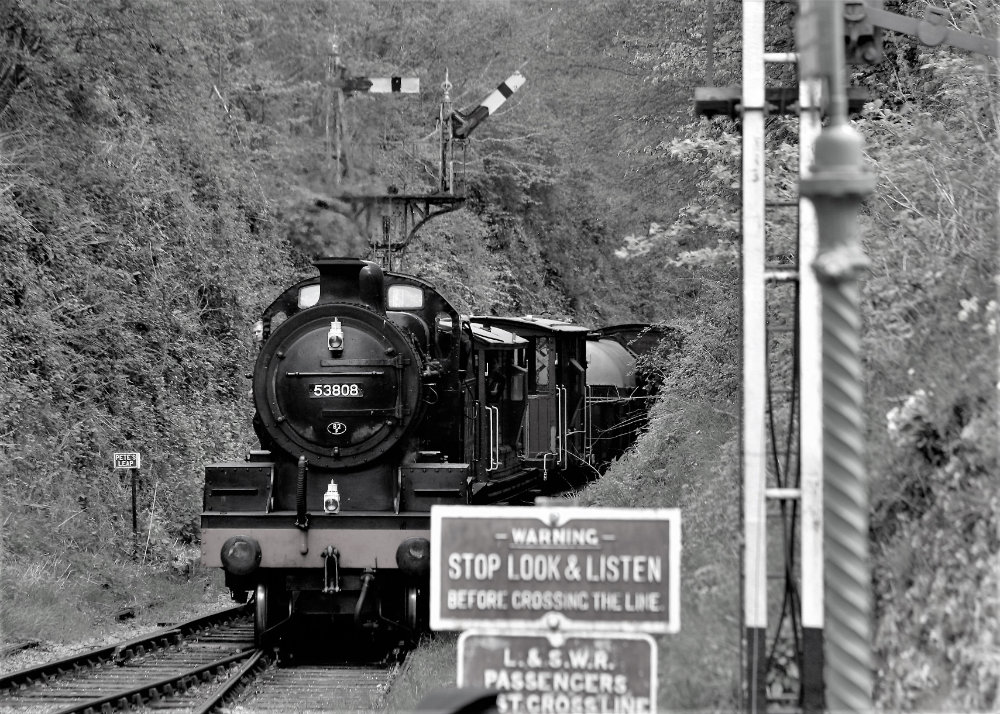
[552, 429]
[495, 391]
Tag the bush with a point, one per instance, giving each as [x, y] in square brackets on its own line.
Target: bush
[132, 251]
[688, 459]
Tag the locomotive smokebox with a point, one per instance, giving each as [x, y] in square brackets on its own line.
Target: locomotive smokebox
[337, 382]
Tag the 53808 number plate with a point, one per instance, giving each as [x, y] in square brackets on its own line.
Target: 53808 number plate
[317, 391]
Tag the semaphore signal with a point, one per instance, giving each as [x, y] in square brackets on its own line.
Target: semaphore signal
[400, 214]
[463, 123]
[342, 84]
[382, 85]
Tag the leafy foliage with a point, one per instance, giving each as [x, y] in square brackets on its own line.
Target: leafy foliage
[165, 166]
[133, 254]
[164, 170]
[689, 461]
[930, 345]
[931, 352]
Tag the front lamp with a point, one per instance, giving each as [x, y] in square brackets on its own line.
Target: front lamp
[331, 499]
[335, 337]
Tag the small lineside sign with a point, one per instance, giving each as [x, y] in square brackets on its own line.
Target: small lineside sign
[600, 569]
[537, 673]
[127, 460]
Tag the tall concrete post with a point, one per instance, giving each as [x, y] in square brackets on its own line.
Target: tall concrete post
[810, 326]
[837, 185]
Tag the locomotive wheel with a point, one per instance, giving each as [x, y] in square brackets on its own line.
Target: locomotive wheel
[273, 607]
[410, 607]
[415, 608]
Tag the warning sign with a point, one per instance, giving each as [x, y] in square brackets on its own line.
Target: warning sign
[599, 568]
[554, 673]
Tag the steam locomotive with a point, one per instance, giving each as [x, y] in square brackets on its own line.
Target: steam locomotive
[375, 400]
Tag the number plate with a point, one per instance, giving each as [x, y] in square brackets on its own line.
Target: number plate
[326, 391]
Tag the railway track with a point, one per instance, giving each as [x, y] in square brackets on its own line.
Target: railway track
[195, 667]
[320, 688]
[164, 669]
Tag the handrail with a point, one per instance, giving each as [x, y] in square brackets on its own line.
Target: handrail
[493, 440]
[560, 427]
[476, 432]
[565, 406]
[526, 427]
[494, 429]
[496, 411]
[562, 406]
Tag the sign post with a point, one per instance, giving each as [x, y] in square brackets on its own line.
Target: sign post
[131, 461]
[559, 602]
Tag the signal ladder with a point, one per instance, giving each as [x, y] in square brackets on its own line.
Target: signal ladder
[782, 402]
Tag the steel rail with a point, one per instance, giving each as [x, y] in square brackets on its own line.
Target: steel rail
[138, 695]
[119, 652]
[233, 684]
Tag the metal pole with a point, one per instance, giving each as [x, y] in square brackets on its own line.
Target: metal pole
[811, 380]
[445, 176]
[327, 111]
[339, 126]
[754, 411]
[338, 122]
[135, 519]
[837, 185]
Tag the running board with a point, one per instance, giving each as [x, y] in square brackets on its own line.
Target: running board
[515, 484]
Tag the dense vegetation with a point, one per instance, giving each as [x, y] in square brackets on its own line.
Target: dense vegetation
[163, 171]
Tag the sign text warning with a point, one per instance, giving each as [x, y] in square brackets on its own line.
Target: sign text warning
[598, 567]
